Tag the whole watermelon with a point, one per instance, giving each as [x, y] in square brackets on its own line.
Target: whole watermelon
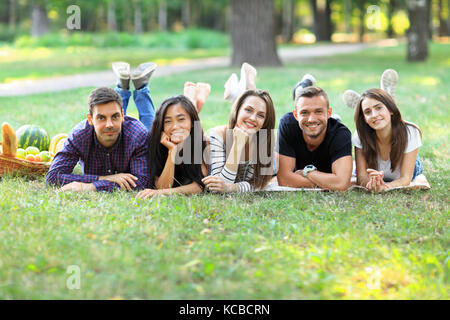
[33, 136]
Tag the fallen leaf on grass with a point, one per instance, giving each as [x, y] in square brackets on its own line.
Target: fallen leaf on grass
[261, 249]
[205, 231]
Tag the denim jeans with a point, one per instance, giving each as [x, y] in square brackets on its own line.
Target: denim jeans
[144, 104]
[418, 168]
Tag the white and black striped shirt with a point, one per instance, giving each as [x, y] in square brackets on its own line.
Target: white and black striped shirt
[218, 160]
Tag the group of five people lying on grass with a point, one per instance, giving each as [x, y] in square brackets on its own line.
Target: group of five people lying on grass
[167, 152]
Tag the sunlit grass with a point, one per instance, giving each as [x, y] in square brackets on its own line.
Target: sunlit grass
[33, 63]
[350, 245]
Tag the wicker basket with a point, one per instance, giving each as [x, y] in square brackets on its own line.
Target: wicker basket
[19, 167]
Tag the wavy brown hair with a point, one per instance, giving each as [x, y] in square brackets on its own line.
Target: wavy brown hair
[368, 137]
[259, 180]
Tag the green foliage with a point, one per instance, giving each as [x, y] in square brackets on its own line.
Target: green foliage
[187, 39]
[350, 245]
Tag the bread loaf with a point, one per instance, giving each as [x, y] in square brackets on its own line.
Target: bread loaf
[9, 140]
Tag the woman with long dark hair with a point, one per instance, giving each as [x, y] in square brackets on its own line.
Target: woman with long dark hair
[176, 148]
[386, 146]
[242, 151]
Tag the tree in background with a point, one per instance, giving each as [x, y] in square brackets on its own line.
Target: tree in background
[288, 20]
[323, 28]
[252, 33]
[39, 19]
[418, 30]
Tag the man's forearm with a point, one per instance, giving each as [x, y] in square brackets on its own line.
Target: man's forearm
[329, 180]
[293, 180]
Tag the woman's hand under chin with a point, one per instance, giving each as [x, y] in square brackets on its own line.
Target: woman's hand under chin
[167, 142]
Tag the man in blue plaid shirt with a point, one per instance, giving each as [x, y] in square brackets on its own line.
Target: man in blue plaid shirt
[110, 147]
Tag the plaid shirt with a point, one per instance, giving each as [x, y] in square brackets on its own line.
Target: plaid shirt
[128, 155]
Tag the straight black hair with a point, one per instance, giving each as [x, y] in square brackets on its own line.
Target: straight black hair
[158, 153]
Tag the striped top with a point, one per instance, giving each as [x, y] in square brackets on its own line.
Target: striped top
[218, 169]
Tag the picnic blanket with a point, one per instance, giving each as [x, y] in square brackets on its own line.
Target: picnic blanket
[419, 183]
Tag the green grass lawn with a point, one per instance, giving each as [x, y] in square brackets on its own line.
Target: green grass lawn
[350, 245]
[35, 63]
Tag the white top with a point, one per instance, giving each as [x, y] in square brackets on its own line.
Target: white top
[218, 160]
[412, 144]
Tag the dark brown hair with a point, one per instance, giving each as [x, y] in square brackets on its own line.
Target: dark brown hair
[259, 180]
[313, 91]
[101, 96]
[368, 137]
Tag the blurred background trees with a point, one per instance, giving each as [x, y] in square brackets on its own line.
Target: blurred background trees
[293, 21]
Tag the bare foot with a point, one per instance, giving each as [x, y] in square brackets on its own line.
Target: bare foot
[248, 75]
[190, 91]
[203, 90]
[230, 92]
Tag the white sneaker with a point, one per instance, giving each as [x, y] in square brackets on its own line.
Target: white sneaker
[141, 75]
[351, 98]
[388, 81]
[122, 72]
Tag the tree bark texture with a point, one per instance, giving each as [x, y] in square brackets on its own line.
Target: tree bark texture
[111, 16]
[252, 33]
[323, 27]
[418, 30]
[39, 20]
[288, 20]
[138, 28]
[162, 15]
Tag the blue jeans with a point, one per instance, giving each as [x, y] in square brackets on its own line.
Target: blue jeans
[418, 168]
[144, 104]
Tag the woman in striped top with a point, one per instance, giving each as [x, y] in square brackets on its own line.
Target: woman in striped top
[242, 151]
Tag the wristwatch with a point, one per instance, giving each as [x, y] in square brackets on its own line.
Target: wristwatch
[308, 169]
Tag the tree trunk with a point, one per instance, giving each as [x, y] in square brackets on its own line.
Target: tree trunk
[138, 29]
[288, 20]
[111, 16]
[12, 14]
[348, 16]
[442, 22]
[186, 13]
[322, 19]
[39, 19]
[391, 9]
[418, 31]
[162, 15]
[252, 33]
[362, 28]
[429, 20]
[448, 17]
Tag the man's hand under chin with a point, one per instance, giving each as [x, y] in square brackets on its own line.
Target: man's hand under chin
[78, 187]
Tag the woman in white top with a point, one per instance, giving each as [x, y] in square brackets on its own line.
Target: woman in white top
[386, 147]
[242, 151]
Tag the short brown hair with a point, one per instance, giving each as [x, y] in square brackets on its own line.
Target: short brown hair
[101, 96]
[312, 91]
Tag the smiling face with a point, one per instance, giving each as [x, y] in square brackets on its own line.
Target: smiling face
[251, 115]
[177, 123]
[107, 120]
[312, 115]
[376, 114]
